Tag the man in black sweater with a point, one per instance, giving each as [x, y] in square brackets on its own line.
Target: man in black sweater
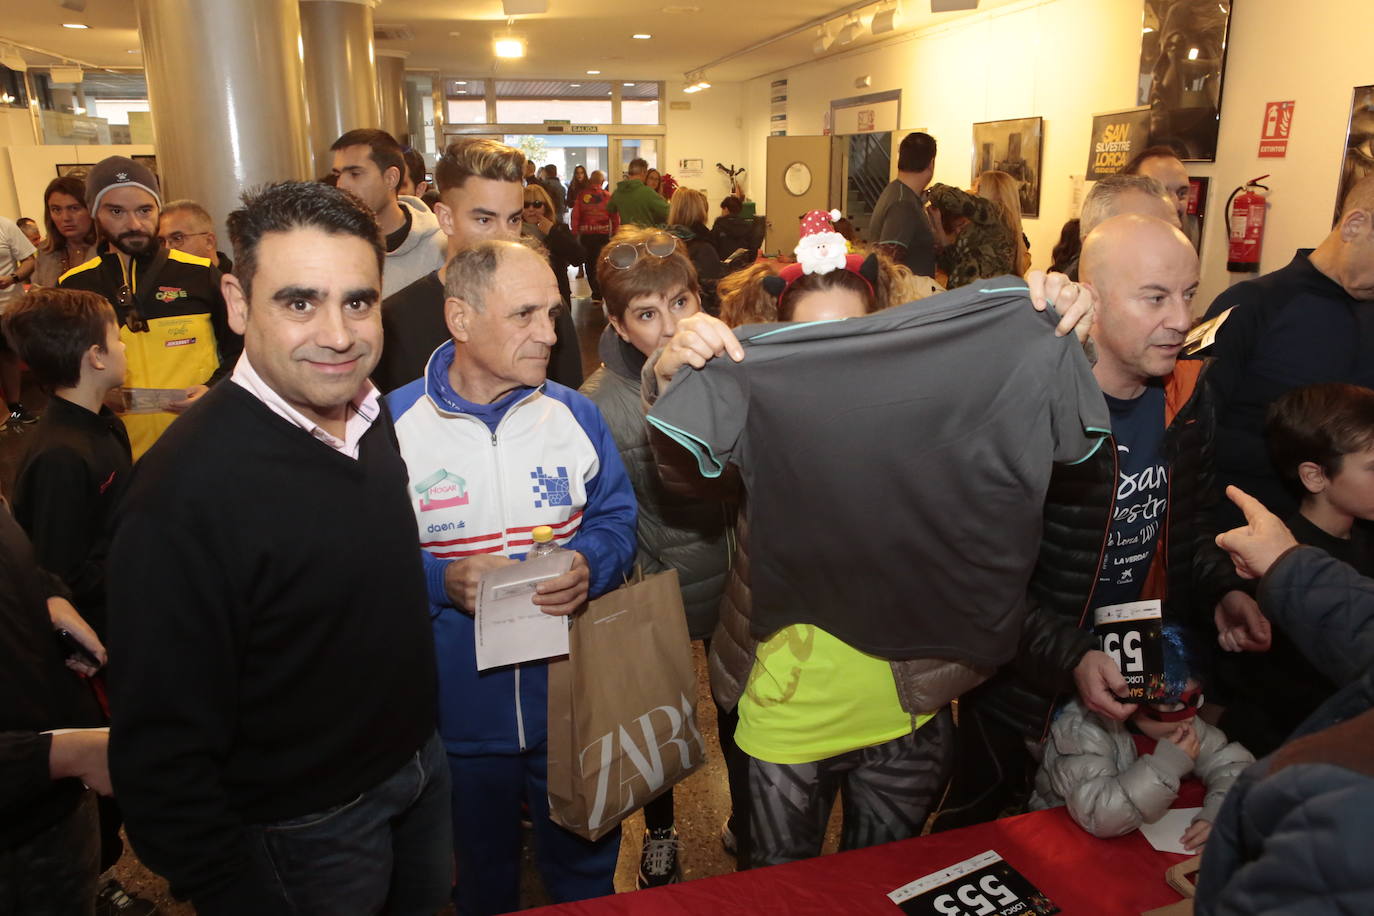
[273, 740]
[1307, 323]
[480, 198]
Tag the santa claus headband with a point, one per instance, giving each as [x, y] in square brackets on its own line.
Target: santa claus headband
[819, 251]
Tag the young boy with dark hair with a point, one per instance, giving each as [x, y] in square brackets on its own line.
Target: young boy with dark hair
[78, 458]
[1321, 442]
[1115, 776]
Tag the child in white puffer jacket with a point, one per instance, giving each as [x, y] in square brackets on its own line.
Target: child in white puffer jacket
[1092, 765]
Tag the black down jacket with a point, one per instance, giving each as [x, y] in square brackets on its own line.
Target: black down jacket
[1078, 508]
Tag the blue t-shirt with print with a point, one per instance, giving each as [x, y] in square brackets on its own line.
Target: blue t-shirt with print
[1142, 496]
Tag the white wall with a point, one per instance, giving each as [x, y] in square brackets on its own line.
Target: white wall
[32, 167]
[712, 131]
[1066, 60]
[16, 129]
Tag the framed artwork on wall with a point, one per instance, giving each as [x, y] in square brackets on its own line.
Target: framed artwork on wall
[150, 162]
[1357, 161]
[1182, 65]
[74, 169]
[1014, 147]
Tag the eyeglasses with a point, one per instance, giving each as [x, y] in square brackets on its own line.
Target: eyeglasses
[176, 238]
[133, 318]
[537, 204]
[623, 255]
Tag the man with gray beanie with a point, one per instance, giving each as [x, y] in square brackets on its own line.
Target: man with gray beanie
[171, 312]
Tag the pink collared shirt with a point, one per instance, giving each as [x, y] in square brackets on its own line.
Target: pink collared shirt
[362, 410]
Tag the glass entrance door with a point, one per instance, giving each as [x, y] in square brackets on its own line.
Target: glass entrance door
[623, 149]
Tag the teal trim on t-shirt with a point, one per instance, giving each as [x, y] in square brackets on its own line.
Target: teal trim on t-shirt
[707, 462]
[793, 327]
[1102, 437]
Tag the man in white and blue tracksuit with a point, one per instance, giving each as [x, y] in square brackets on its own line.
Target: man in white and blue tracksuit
[493, 450]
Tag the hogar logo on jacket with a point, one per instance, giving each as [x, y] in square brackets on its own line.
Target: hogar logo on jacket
[441, 490]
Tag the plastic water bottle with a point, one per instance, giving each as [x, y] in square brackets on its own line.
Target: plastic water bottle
[543, 543]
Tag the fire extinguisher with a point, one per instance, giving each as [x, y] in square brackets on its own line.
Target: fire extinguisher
[1245, 225]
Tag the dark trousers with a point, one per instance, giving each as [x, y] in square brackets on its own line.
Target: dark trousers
[887, 790]
[993, 771]
[592, 243]
[659, 812]
[54, 872]
[487, 792]
[389, 850]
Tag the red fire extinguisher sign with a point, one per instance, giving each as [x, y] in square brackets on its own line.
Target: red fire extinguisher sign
[1278, 124]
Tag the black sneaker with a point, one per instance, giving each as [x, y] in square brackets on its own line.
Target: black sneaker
[658, 860]
[113, 900]
[727, 839]
[19, 415]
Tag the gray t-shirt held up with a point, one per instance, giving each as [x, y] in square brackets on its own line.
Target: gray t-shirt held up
[896, 465]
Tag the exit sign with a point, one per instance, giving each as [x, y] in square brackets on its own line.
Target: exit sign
[585, 129]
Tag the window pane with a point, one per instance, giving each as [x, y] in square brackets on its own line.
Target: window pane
[466, 111]
[457, 89]
[635, 111]
[528, 111]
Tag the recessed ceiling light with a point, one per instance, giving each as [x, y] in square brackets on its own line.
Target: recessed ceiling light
[74, 25]
[642, 36]
[628, 85]
[574, 85]
[460, 92]
[593, 72]
[460, 82]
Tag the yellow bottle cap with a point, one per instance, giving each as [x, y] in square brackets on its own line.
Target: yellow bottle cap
[542, 535]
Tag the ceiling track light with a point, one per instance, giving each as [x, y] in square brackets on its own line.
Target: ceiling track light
[822, 42]
[696, 81]
[851, 31]
[885, 20]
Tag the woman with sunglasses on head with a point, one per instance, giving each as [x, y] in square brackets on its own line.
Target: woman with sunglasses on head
[540, 224]
[71, 231]
[648, 285]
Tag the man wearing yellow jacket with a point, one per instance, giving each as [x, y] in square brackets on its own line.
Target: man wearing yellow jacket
[171, 313]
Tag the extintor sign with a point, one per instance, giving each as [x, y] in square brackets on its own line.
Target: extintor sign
[1278, 124]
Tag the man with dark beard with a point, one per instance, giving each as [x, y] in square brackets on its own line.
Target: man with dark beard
[171, 312]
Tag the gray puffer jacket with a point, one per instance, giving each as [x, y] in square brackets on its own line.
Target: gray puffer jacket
[686, 533]
[1091, 765]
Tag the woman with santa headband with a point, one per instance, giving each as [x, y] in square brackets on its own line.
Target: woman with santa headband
[805, 738]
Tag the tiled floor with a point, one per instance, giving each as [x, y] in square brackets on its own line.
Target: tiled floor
[702, 803]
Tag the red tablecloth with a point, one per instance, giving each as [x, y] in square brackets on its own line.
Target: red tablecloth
[1080, 873]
